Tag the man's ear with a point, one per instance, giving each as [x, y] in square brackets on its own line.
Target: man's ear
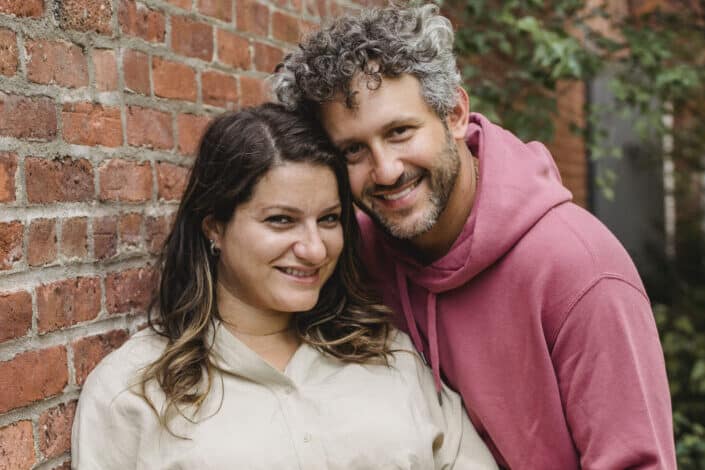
[457, 119]
[212, 229]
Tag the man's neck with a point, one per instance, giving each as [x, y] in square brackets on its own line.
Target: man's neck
[438, 241]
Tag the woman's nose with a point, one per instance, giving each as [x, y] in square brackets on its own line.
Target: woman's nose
[310, 247]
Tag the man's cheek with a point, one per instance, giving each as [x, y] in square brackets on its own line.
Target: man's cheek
[357, 181]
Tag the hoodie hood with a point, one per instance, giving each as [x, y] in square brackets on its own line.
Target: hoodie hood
[518, 184]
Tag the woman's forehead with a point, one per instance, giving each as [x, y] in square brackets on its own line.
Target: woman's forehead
[298, 185]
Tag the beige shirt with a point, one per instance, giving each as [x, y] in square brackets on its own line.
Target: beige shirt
[319, 414]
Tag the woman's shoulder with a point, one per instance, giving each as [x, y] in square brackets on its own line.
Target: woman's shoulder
[121, 369]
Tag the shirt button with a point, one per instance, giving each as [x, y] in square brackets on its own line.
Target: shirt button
[307, 438]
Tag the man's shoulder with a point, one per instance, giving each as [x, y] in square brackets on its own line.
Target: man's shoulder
[570, 238]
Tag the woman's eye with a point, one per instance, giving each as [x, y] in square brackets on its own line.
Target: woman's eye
[279, 220]
[330, 219]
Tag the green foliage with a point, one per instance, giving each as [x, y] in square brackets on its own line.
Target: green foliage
[514, 57]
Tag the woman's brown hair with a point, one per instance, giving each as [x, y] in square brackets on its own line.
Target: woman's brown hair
[236, 151]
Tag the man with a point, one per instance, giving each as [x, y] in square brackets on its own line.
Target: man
[525, 303]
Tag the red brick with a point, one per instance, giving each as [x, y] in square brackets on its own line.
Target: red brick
[219, 89]
[174, 80]
[130, 291]
[334, 9]
[285, 27]
[252, 17]
[92, 124]
[27, 118]
[267, 57]
[233, 50]
[8, 52]
[8, 170]
[185, 4]
[123, 180]
[67, 302]
[149, 128]
[191, 38]
[59, 62]
[85, 15]
[315, 8]
[55, 429]
[306, 27]
[130, 229]
[191, 128]
[221, 9]
[106, 75]
[58, 180]
[88, 352]
[42, 242]
[135, 65]
[11, 237]
[17, 446]
[15, 314]
[74, 237]
[157, 229]
[22, 7]
[63, 466]
[49, 375]
[105, 237]
[138, 20]
[172, 180]
[252, 91]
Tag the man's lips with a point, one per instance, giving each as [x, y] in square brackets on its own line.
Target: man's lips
[399, 191]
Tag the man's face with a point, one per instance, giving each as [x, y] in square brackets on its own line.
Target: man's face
[402, 159]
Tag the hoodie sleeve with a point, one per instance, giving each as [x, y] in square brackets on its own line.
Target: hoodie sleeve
[612, 380]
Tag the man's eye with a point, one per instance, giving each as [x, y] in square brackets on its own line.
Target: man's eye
[353, 153]
[400, 131]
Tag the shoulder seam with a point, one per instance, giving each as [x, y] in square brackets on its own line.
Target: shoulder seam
[588, 288]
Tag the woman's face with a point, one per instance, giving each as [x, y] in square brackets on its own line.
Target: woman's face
[281, 246]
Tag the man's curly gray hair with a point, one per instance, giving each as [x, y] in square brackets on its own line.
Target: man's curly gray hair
[380, 43]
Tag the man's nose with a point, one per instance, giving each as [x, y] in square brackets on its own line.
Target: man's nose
[387, 167]
[310, 246]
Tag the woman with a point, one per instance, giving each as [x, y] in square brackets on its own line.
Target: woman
[268, 353]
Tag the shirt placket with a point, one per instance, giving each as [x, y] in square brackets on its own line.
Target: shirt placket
[303, 427]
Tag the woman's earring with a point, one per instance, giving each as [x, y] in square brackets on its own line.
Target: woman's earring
[215, 251]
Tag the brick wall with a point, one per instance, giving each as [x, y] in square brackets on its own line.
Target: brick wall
[567, 147]
[101, 106]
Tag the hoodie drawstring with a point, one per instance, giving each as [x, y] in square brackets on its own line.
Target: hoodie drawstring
[414, 329]
[433, 340]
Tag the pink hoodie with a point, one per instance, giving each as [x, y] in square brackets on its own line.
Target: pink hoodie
[538, 318]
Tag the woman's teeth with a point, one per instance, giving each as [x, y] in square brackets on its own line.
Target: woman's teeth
[299, 272]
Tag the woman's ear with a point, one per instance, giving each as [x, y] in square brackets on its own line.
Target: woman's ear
[212, 229]
[457, 119]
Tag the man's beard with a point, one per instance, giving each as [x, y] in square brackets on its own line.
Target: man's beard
[443, 177]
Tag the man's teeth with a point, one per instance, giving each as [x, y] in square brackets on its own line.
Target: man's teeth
[298, 272]
[400, 194]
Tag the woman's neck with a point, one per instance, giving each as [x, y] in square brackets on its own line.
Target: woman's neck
[270, 334]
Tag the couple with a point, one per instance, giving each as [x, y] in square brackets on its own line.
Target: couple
[271, 352]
